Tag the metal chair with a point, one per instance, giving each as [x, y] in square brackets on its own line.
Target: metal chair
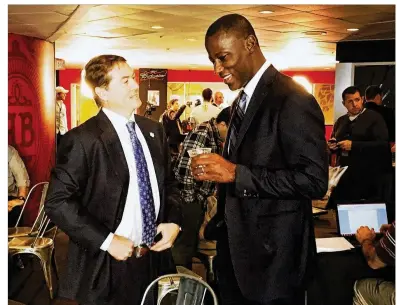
[188, 289]
[30, 231]
[40, 246]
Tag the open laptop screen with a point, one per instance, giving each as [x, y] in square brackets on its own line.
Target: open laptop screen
[353, 216]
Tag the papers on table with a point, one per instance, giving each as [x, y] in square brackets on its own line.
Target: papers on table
[333, 244]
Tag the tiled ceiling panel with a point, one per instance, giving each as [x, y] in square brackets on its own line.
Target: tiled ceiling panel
[81, 31]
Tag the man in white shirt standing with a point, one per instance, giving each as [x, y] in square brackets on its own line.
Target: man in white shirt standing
[206, 111]
[60, 113]
[111, 192]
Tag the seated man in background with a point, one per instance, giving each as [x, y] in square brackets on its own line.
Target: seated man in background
[378, 254]
[18, 185]
[211, 134]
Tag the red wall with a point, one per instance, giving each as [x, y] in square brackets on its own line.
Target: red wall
[31, 108]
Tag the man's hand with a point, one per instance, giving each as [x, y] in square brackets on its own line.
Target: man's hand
[13, 203]
[384, 228]
[345, 145]
[332, 145]
[364, 233]
[169, 231]
[212, 167]
[121, 248]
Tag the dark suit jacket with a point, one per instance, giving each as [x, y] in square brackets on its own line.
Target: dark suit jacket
[87, 194]
[281, 162]
[369, 157]
[389, 117]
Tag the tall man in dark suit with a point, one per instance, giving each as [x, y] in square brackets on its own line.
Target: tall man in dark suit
[112, 191]
[274, 162]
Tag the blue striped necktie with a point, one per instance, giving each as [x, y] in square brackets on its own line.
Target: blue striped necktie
[237, 120]
[145, 189]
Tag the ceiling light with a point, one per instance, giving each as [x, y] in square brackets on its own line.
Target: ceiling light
[191, 39]
[315, 33]
[266, 12]
[352, 30]
[157, 27]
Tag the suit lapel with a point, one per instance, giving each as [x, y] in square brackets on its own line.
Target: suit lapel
[151, 139]
[260, 93]
[113, 148]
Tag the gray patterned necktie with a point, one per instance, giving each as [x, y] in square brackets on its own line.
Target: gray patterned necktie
[237, 120]
[145, 189]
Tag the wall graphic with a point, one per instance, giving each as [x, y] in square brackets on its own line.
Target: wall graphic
[31, 107]
[324, 94]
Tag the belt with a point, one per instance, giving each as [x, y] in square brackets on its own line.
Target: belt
[141, 251]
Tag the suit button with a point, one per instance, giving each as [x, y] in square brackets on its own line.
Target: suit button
[118, 219]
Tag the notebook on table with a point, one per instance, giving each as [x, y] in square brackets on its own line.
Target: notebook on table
[351, 216]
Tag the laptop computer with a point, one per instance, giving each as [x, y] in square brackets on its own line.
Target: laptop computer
[351, 216]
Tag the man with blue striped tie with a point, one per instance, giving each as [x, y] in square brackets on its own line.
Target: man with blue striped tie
[112, 191]
[274, 162]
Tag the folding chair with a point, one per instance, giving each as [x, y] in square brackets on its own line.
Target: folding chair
[40, 246]
[30, 231]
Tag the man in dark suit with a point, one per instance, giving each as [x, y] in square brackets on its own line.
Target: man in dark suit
[373, 101]
[274, 162]
[359, 140]
[112, 191]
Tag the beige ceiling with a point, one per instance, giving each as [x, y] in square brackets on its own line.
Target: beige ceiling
[83, 31]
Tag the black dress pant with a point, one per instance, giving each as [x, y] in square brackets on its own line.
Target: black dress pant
[229, 291]
[129, 281]
[185, 246]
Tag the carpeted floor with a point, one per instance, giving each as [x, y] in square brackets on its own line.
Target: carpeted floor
[28, 286]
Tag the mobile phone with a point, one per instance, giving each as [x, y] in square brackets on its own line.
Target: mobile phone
[332, 141]
[158, 237]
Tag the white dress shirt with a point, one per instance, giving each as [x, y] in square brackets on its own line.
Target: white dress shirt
[204, 112]
[60, 118]
[131, 222]
[251, 86]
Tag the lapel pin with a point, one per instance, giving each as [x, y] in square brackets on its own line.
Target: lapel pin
[152, 134]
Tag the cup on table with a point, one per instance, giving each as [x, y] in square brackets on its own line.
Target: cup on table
[198, 151]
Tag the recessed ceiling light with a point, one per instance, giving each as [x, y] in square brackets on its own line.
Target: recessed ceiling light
[157, 27]
[191, 39]
[352, 30]
[315, 33]
[266, 12]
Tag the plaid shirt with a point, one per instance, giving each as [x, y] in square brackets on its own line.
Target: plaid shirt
[205, 135]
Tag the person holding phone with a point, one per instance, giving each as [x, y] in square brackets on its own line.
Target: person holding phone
[359, 140]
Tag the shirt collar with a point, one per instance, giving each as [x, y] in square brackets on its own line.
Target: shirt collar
[116, 118]
[251, 85]
[353, 117]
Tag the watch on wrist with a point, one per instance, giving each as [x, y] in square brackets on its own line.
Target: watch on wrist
[21, 198]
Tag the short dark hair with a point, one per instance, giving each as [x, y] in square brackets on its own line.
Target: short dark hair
[372, 91]
[224, 116]
[97, 72]
[207, 94]
[231, 22]
[350, 90]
